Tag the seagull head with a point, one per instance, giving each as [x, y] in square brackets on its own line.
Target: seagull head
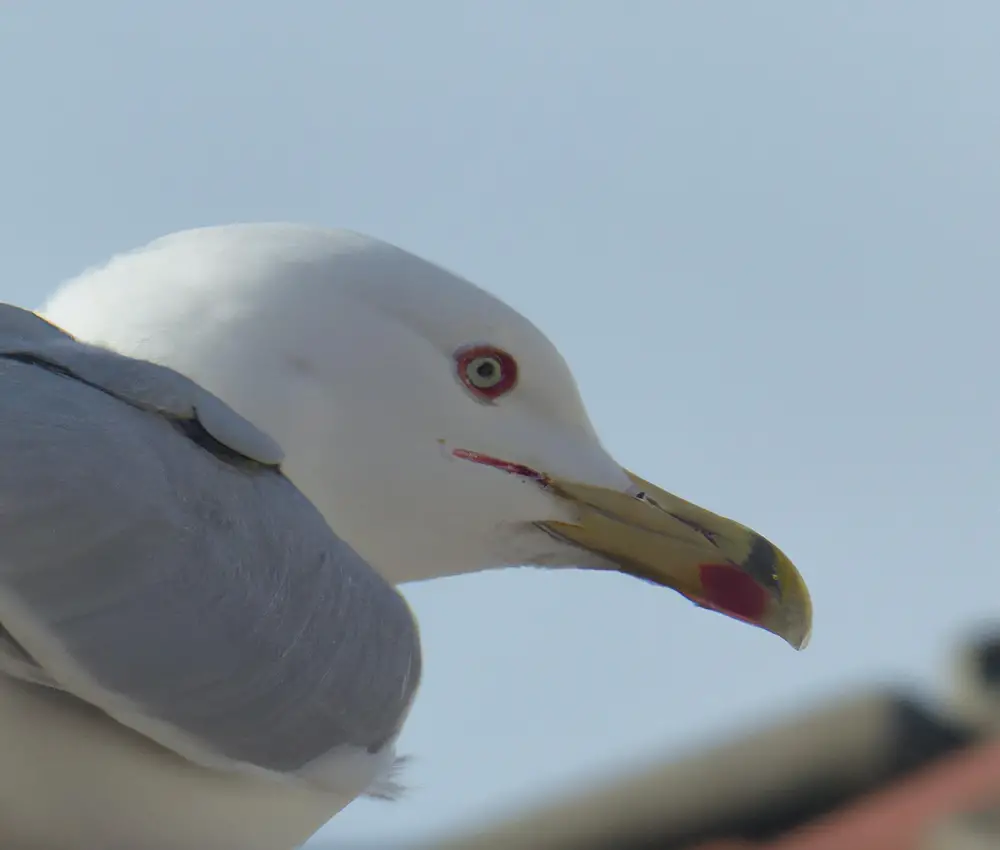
[436, 429]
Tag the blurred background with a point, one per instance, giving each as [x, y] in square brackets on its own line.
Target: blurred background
[764, 236]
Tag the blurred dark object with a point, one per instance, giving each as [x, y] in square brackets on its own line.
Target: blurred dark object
[883, 770]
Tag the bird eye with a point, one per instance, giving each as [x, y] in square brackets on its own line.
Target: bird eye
[484, 373]
[487, 372]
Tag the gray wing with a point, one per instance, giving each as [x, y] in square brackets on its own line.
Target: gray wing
[157, 564]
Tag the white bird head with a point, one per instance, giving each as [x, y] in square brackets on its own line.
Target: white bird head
[437, 430]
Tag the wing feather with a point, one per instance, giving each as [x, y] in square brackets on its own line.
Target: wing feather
[203, 602]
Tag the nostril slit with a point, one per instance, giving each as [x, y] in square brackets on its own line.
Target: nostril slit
[643, 496]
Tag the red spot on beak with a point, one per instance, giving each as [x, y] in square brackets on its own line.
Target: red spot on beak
[731, 591]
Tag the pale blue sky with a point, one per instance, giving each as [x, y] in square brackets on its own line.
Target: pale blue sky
[765, 235]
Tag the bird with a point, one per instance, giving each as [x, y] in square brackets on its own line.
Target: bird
[431, 427]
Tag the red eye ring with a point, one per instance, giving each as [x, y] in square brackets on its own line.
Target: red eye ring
[486, 371]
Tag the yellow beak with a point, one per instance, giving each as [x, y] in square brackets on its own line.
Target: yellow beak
[713, 561]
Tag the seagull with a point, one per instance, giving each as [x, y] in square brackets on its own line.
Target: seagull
[226, 450]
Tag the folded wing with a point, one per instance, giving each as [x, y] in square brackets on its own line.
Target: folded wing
[155, 563]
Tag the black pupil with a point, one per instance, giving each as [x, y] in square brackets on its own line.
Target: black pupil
[487, 369]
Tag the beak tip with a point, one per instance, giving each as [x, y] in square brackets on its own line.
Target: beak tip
[796, 610]
[802, 642]
[796, 631]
